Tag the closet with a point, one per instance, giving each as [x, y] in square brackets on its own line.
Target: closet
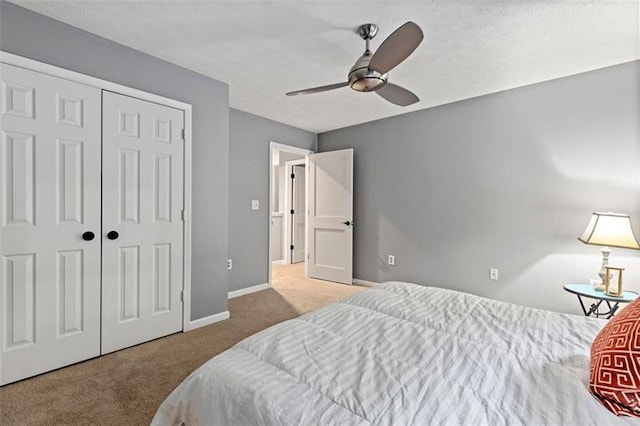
[92, 231]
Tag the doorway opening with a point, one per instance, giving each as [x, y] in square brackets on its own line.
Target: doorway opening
[287, 208]
[311, 239]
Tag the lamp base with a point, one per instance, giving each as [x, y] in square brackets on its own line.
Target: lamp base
[606, 251]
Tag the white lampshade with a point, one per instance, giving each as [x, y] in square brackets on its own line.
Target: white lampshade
[610, 229]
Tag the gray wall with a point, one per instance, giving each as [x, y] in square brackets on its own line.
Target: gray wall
[507, 180]
[249, 180]
[37, 37]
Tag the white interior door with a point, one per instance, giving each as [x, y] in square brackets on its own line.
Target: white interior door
[299, 213]
[50, 202]
[330, 228]
[142, 197]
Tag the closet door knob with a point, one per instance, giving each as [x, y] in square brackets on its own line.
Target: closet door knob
[88, 236]
[113, 235]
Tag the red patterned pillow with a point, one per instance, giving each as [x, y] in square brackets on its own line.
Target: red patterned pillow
[615, 363]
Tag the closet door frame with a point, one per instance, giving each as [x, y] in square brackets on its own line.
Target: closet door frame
[41, 67]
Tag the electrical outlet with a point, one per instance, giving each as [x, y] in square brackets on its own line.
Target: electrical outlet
[493, 274]
[391, 260]
[255, 205]
[229, 264]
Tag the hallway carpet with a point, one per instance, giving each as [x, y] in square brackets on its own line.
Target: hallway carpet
[126, 387]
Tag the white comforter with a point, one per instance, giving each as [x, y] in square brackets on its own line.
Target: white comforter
[401, 354]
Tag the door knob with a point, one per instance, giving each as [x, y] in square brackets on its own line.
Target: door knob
[113, 235]
[348, 223]
[88, 236]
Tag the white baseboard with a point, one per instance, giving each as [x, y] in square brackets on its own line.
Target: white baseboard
[364, 282]
[248, 290]
[278, 262]
[211, 319]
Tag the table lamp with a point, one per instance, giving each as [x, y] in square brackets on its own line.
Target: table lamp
[609, 230]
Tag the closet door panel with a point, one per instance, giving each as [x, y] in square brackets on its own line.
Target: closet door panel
[142, 203]
[49, 197]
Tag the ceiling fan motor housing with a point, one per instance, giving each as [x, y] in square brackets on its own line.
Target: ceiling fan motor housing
[364, 79]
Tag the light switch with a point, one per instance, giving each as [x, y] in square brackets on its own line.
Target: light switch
[255, 205]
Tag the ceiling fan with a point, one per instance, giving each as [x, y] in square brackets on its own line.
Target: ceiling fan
[369, 73]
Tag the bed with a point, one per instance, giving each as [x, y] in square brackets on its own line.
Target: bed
[401, 354]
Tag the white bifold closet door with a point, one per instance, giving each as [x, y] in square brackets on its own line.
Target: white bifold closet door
[50, 205]
[89, 264]
[142, 201]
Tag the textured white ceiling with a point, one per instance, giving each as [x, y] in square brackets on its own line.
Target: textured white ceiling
[264, 49]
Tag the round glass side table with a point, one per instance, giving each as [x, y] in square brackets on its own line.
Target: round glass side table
[612, 302]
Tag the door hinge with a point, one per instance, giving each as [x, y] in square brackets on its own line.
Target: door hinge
[292, 247]
[183, 135]
[182, 295]
[182, 214]
[292, 211]
[293, 176]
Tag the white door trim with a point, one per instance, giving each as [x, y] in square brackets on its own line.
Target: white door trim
[291, 150]
[30, 64]
[288, 166]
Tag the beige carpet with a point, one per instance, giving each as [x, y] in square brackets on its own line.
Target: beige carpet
[126, 387]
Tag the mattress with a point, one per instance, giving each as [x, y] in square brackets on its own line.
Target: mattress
[401, 354]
